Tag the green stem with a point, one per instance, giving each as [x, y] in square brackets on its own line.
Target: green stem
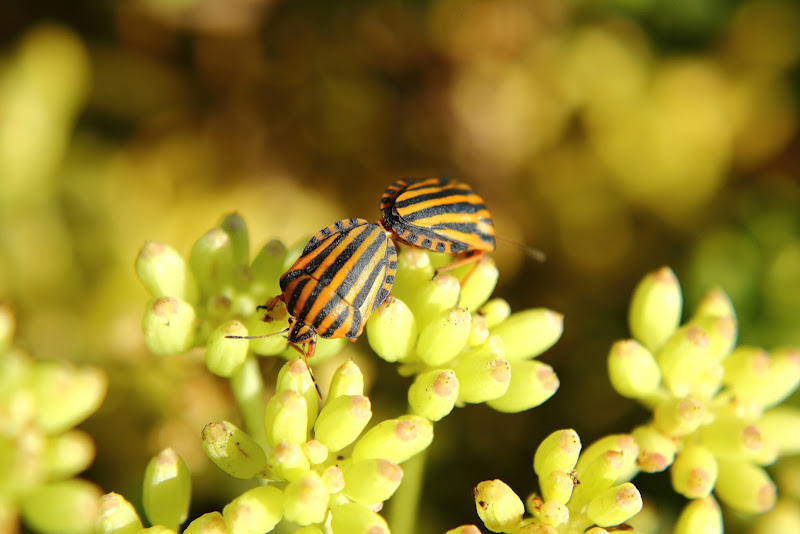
[403, 507]
[248, 388]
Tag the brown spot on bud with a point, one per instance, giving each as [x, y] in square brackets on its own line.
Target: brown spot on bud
[360, 407]
[165, 306]
[405, 430]
[444, 384]
[500, 370]
[697, 336]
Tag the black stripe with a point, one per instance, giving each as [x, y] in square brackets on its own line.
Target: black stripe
[362, 262]
[296, 294]
[441, 193]
[324, 253]
[440, 209]
[344, 257]
[351, 334]
[380, 268]
[337, 323]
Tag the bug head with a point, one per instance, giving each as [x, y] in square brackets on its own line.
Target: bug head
[300, 332]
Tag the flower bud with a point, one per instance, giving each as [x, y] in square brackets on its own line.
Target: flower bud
[347, 380]
[599, 475]
[694, 472]
[528, 333]
[224, 356]
[233, 224]
[722, 332]
[355, 517]
[288, 461]
[625, 444]
[779, 426]
[683, 358]
[296, 376]
[480, 284]
[532, 382]
[478, 332]
[745, 487]
[531, 526]
[66, 395]
[464, 529]
[433, 394]
[392, 331]
[210, 523]
[334, 479]
[233, 451]
[785, 517]
[371, 481]
[254, 511]
[615, 505]
[495, 312]
[557, 486]
[167, 489]
[271, 326]
[633, 371]
[163, 272]
[432, 298]
[558, 451]
[700, 515]
[715, 303]
[286, 418]
[169, 326]
[656, 451]
[552, 513]
[315, 451]
[66, 507]
[771, 380]
[266, 270]
[732, 438]
[498, 506]
[117, 516]
[68, 454]
[395, 440]
[414, 269]
[655, 310]
[342, 420]
[482, 376]
[444, 336]
[212, 261]
[306, 500]
[678, 417]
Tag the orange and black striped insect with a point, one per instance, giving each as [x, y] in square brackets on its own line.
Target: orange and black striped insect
[440, 215]
[344, 272]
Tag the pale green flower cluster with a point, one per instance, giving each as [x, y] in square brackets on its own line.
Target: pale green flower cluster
[716, 421]
[40, 450]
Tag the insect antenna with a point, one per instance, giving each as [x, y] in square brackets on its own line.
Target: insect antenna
[533, 253]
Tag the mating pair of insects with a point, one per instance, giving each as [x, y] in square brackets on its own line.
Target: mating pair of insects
[347, 269]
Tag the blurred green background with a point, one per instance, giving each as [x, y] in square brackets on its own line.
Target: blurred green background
[615, 135]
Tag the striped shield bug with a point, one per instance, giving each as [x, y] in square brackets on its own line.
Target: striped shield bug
[344, 272]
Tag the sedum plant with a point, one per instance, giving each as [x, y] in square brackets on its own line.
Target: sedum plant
[318, 466]
[41, 451]
[716, 420]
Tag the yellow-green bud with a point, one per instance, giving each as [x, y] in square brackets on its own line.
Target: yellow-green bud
[233, 224]
[780, 426]
[67, 507]
[432, 298]
[163, 272]
[694, 472]
[557, 452]
[464, 529]
[597, 476]
[158, 529]
[347, 380]
[295, 376]
[392, 331]
[169, 326]
[656, 451]
[655, 310]
[414, 269]
[66, 395]
[771, 381]
[444, 336]
[745, 487]
[683, 358]
[622, 443]
[553, 513]
[700, 515]
[482, 375]
[342, 420]
[495, 312]
[531, 526]
[276, 321]
[286, 418]
[722, 332]
[355, 517]
[315, 451]
[371, 481]
[224, 356]
[255, 511]
[167, 489]
[212, 260]
[715, 303]
[633, 370]
[498, 506]
[557, 486]
[266, 270]
[433, 394]
[528, 333]
[333, 478]
[306, 500]
[117, 516]
[478, 332]
[395, 440]
[785, 517]
[678, 417]
[210, 523]
[731, 438]
[480, 284]
[326, 349]
[288, 461]
[532, 383]
[615, 505]
[233, 451]
[68, 454]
